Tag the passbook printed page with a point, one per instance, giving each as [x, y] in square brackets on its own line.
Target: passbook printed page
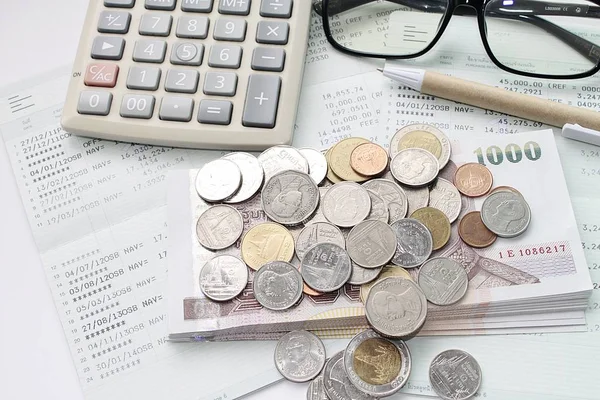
[97, 210]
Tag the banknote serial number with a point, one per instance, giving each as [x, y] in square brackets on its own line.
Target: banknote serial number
[533, 251]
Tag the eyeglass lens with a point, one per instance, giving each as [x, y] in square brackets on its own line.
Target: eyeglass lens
[542, 37]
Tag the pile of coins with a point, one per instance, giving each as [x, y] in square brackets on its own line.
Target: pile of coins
[370, 367]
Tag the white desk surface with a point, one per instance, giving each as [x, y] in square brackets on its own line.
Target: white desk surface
[36, 36]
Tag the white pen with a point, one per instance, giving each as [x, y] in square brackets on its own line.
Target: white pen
[583, 121]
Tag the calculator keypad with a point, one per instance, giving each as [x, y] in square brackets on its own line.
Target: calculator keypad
[220, 83]
[230, 29]
[225, 56]
[155, 24]
[112, 21]
[276, 8]
[272, 32]
[192, 27]
[160, 4]
[176, 108]
[108, 48]
[143, 78]
[137, 106]
[235, 7]
[182, 81]
[94, 102]
[215, 112]
[187, 53]
[152, 51]
[200, 6]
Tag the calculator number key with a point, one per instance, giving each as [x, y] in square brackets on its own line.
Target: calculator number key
[230, 29]
[143, 78]
[192, 27]
[216, 112]
[94, 102]
[137, 106]
[155, 24]
[262, 100]
[114, 22]
[187, 53]
[272, 32]
[149, 51]
[220, 83]
[182, 81]
[237, 7]
[223, 56]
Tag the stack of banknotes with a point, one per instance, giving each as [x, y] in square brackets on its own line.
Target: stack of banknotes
[536, 282]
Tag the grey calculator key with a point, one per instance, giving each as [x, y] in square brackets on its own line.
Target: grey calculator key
[160, 4]
[137, 106]
[203, 6]
[216, 112]
[192, 27]
[108, 47]
[182, 81]
[272, 32]
[94, 102]
[237, 7]
[114, 21]
[262, 99]
[220, 83]
[276, 8]
[225, 56]
[156, 24]
[176, 108]
[230, 29]
[187, 53]
[119, 3]
[143, 78]
[149, 51]
[268, 59]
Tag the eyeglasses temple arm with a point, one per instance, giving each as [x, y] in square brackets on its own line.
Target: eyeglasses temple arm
[538, 8]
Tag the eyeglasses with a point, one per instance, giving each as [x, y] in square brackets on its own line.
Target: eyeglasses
[539, 39]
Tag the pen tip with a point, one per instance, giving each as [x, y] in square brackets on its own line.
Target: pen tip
[380, 69]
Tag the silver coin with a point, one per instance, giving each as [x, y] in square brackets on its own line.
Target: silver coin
[317, 164]
[506, 214]
[361, 275]
[376, 365]
[346, 204]
[417, 198]
[414, 167]
[219, 227]
[299, 356]
[394, 196]
[290, 197]
[318, 232]
[316, 389]
[371, 244]
[282, 158]
[318, 215]
[445, 148]
[396, 307]
[414, 243]
[218, 180]
[444, 196]
[326, 267]
[455, 375]
[379, 209]
[223, 278]
[252, 176]
[336, 381]
[277, 285]
[443, 280]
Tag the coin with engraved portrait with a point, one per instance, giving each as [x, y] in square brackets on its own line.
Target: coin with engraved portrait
[336, 381]
[326, 267]
[392, 194]
[252, 176]
[376, 365]
[219, 227]
[473, 179]
[444, 196]
[379, 208]
[318, 232]
[277, 285]
[387, 271]
[299, 356]
[371, 243]
[282, 158]
[316, 389]
[223, 278]
[422, 136]
[317, 164]
[396, 307]
[414, 167]
[346, 204]
[438, 224]
[361, 275]
[455, 375]
[443, 280]
[507, 214]
[218, 180]
[267, 242]
[414, 243]
[290, 197]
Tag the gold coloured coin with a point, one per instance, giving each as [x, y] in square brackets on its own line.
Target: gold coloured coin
[438, 224]
[386, 272]
[331, 176]
[340, 159]
[267, 242]
[422, 136]
[377, 361]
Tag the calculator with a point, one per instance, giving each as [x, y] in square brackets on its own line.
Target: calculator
[212, 74]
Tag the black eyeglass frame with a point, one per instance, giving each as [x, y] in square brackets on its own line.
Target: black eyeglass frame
[479, 7]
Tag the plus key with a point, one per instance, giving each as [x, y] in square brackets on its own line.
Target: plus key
[101, 74]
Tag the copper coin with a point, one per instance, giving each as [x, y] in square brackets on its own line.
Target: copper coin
[473, 232]
[506, 189]
[339, 159]
[438, 224]
[369, 159]
[473, 179]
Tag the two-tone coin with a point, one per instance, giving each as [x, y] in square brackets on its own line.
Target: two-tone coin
[376, 365]
[455, 375]
[299, 356]
[252, 176]
[393, 195]
[346, 204]
[443, 281]
[506, 214]
[386, 272]
[339, 159]
[318, 232]
[219, 227]
[371, 244]
[473, 179]
[444, 196]
[425, 137]
[361, 275]
[438, 224]
[282, 158]
[223, 278]
[369, 159]
[218, 180]
[326, 267]
[336, 381]
[317, 164]
[277, 285]
[414, 167]
[267, 242]
[414, 243]
[473, 231]
[290, 197]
